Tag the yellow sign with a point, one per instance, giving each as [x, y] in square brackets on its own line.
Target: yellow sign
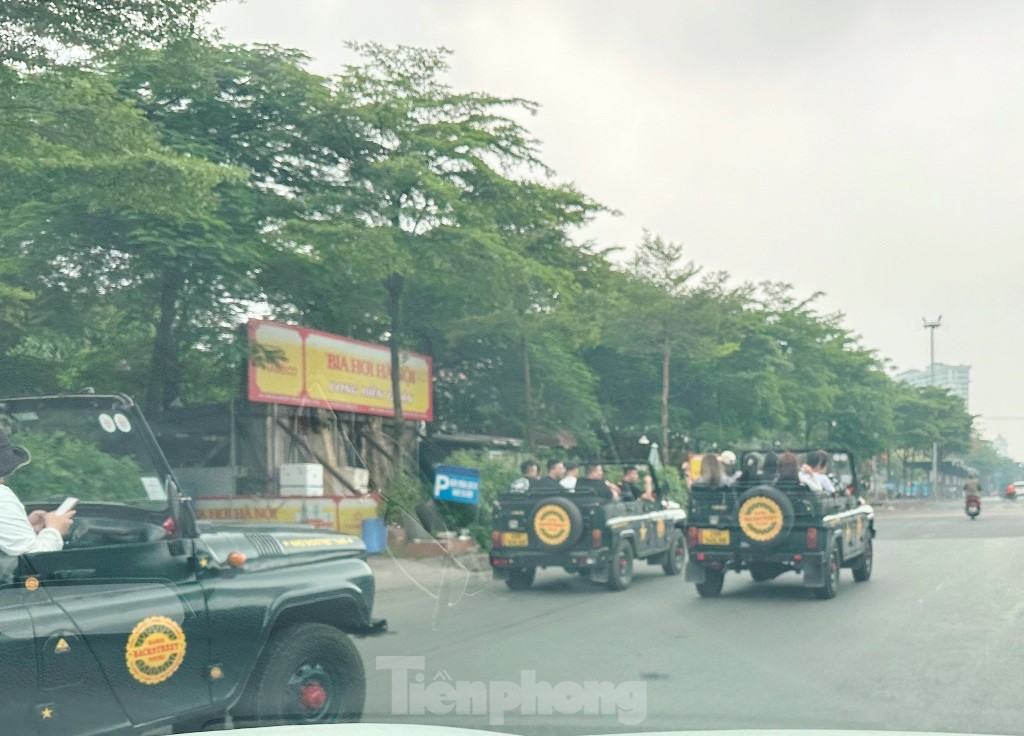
[62, 646]
[318, 542]
[155, 650]
[760, 519]
[696, 461]
[337, 514]
[301, 367]
[551, 524]
[276, 360]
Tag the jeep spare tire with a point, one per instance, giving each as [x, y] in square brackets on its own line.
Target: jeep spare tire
[556, 523]
[765, 516]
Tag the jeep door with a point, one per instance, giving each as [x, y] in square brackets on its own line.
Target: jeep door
[18, 679]
[140, 614]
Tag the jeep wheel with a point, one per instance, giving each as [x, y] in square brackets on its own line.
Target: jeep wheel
[712, 585]
[676, 555]
[521, 578]
[862, 570]
[308, 673]
[620, 566]
[831, 585]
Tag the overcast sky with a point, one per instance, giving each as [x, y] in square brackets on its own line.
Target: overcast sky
[873, 150]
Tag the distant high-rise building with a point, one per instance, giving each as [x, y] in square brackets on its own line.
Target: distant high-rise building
[956, 378]
[1001, 446]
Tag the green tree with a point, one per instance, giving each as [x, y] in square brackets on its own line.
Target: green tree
[34, 32]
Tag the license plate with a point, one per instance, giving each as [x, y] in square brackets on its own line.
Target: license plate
[714, 536]
[515, 539]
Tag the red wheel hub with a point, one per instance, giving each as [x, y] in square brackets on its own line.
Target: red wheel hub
[312, 696]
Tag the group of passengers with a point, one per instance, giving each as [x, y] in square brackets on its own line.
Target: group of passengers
[564, 477]
[719, 470]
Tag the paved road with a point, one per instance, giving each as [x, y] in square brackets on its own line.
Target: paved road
[932, 642]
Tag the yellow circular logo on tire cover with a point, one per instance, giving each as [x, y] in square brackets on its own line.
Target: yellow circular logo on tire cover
[156, 649]
[760, 519]
[551, 524]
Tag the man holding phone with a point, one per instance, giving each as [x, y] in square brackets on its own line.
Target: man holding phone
[21, 533]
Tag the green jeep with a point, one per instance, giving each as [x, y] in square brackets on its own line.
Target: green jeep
[770, 527]
[539, 524]
[148, 622]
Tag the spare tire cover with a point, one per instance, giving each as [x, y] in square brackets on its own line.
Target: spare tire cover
[765, 516]
[556, 523]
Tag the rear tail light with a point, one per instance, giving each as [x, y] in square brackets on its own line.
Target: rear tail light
[693, 536]
[495, 540]
[595, 539]
[500, 562]
[812, 538]
[700, 557]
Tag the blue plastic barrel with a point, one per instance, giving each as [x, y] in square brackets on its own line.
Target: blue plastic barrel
[375, 535]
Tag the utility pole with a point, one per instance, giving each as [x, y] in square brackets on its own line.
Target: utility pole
[931, 326]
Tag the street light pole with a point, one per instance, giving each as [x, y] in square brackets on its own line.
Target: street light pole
[931, 326]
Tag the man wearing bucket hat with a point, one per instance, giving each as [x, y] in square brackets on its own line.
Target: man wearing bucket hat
[19, 532]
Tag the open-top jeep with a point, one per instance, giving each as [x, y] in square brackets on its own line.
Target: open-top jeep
[541, 525]
[149, 622]
[770, 527]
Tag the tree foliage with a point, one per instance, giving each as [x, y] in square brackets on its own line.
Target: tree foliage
[34, 32]
[153, 199]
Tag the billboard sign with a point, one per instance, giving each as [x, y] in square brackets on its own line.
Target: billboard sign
[300, 367]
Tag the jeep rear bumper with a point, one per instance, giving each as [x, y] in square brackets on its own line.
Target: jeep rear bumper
[810, 564]
[505, 560]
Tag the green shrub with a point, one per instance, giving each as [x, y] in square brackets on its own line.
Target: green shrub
[404, 493]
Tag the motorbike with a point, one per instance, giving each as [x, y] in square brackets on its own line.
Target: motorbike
[972, 506]
[1010, 494]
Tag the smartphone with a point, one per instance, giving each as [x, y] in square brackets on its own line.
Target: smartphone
[69, 503]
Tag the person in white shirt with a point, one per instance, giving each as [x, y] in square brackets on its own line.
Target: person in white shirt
[813, 472]
[21, 533]
[572, 474]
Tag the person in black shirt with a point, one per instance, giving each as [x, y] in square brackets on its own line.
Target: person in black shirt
[629, 489]
[551, 481]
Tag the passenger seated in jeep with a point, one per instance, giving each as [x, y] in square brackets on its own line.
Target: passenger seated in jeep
[814, 471]
[790, 476]
[551, 481]
[595, 481]
[711, 472]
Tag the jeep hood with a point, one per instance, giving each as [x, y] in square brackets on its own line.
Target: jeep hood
[265, 541]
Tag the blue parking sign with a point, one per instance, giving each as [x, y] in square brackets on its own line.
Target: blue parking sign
[452, 483]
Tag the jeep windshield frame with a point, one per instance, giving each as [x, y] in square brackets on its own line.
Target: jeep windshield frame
[106, 436]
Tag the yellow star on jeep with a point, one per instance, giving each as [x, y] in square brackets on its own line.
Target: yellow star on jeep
[47, 713]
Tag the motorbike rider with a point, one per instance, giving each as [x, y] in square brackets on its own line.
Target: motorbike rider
[972, 489]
